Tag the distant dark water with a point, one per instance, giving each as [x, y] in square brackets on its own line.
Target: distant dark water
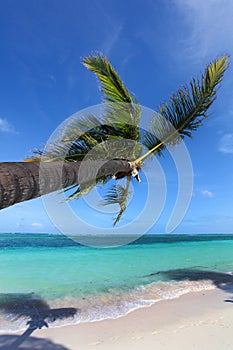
[52, 240]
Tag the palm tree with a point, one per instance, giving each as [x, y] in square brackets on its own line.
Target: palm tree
[92, 135]
[20, 181]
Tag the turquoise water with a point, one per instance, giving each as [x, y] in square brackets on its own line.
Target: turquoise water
[93, 283]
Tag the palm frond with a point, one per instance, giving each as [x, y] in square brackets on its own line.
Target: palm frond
[111, 84]
[75, 140]
[80, 190]
[83, 133]
[64, 151]
[118, 194]
[186, 109]
[79, 125]
[123, 111]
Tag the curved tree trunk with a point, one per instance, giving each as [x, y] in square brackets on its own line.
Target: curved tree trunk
[21, 181]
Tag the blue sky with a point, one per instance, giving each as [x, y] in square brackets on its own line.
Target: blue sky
[156, 46]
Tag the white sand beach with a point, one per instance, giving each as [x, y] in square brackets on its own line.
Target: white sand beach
[201, 320]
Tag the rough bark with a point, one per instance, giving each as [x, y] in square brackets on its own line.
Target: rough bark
[21, 181]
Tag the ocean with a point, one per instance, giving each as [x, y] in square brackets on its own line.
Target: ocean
[51, 280]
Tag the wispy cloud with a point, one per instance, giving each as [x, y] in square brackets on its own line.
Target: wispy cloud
[113, 27]
[36, 224]
[111, 40]
[207, 193]
[226, 144]
[5, 126]
[209, 27]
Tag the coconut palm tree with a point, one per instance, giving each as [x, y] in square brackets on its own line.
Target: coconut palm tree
[92, 135]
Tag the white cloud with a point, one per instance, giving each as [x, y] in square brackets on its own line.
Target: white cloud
[5, 126]
[226, 144]
[36, 224]
[207, 194]
[111, 40]
[209, 27]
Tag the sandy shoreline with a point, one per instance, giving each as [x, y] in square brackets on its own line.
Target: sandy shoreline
[201, 320]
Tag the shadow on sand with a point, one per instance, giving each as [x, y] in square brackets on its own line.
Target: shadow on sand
[15, 342]
[221, 280]
[38, 315]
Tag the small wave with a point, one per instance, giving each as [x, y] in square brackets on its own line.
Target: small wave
[114, 304]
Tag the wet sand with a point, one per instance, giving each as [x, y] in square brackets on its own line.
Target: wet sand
[202, 320]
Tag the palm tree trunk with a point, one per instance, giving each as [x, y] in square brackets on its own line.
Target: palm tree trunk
[21, 181]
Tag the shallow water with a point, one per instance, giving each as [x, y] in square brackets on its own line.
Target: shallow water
[52, 279]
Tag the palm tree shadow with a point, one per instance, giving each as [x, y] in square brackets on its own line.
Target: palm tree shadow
[221, 280]
[14, 342]
[36, 311]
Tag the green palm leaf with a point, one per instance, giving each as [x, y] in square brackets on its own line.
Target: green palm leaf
[77, 140]
[65, 151]
[118, 194]
[124, 111]
[186, 109]
[79, 191]
[87, 134]
[111, 84]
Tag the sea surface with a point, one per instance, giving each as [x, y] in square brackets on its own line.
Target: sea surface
[51, 280]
